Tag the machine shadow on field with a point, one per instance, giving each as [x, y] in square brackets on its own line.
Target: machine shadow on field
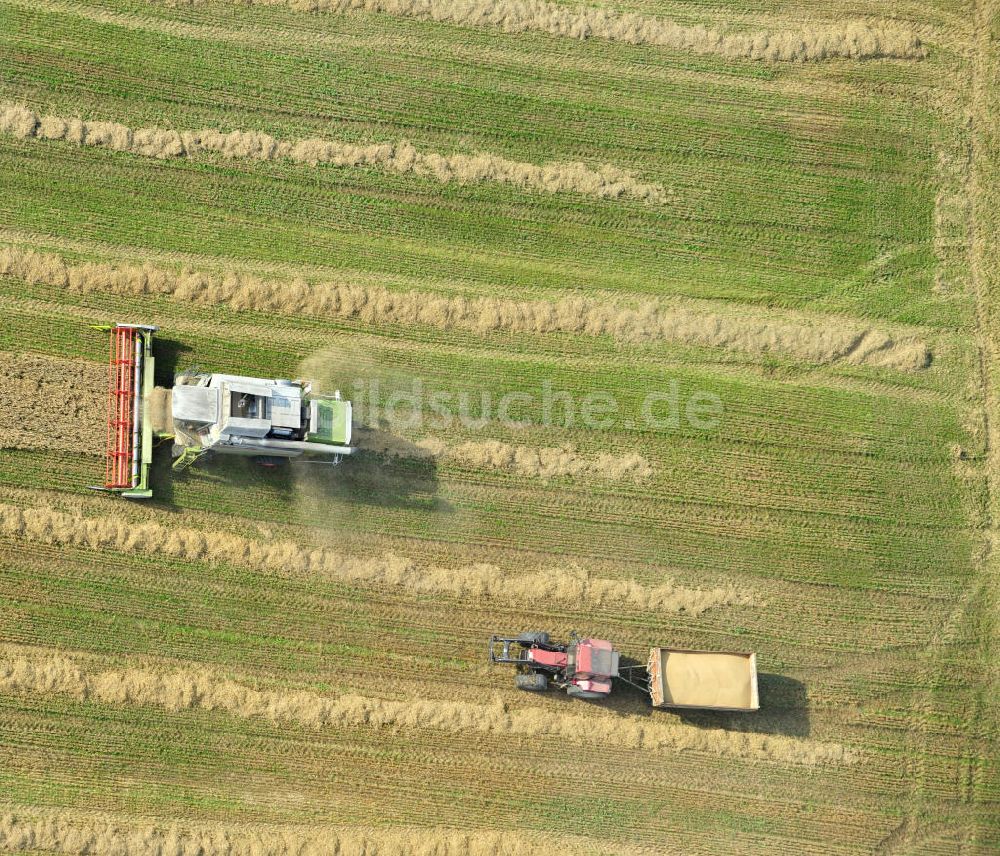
[317, 487]
[374, 477]
[784, 709]
[161, 477]
[783, 706]
[235, 475]
[168, 356]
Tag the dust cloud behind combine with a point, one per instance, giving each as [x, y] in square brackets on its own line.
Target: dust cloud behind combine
[51, 403]
[849, 40]
[604, 182]
[568, 588]
[644, 321]
[543, 463]
[326, 371]
[199, 689]
[87, 833]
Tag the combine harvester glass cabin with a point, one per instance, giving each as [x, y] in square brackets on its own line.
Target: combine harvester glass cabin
[267, 419]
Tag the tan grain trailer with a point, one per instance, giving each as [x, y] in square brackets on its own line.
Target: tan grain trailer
[702, 679]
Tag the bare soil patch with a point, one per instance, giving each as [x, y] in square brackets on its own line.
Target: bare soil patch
[51, 403]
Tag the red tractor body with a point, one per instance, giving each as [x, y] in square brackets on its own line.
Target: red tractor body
[584, 667]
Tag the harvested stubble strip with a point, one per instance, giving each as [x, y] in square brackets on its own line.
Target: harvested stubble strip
[201, 690]
[820, 341]
[85, 833]
[543, 463]
[566, 587]
[850, 39]
[605, 181]
[51, 403]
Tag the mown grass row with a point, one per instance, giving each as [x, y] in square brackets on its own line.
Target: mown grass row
[741, 228]
[207, 768]
[127, 199]
[305, 335]
[874, 490]
[318, 69]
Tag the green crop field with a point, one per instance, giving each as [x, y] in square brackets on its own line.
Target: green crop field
[676, 324]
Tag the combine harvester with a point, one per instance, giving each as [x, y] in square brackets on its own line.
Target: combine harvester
[586, 668]
[267, 419]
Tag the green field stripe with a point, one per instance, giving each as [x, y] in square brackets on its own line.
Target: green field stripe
[726, 203]
[757, 543]
[184, 324]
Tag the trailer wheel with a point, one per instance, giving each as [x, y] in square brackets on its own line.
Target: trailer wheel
[537, 638]
[533, 683]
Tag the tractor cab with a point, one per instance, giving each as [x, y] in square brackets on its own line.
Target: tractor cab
[590, 666]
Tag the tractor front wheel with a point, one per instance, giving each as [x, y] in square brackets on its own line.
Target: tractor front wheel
[586, 695]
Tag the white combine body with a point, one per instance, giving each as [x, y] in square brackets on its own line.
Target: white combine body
[265, 418]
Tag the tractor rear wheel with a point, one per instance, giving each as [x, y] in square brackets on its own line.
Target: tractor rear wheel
[533, 683]
[575, 692]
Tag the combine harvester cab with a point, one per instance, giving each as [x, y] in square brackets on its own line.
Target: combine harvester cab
[268, 419]
[672, 677]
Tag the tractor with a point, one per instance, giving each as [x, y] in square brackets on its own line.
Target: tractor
[584, 667]
[672, 677]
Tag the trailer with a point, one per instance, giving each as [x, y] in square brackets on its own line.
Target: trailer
[705, 680]
[586, 668]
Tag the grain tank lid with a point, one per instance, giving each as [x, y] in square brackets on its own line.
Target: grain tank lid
[195, 404]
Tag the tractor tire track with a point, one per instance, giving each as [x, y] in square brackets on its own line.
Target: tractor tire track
[979, 603]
